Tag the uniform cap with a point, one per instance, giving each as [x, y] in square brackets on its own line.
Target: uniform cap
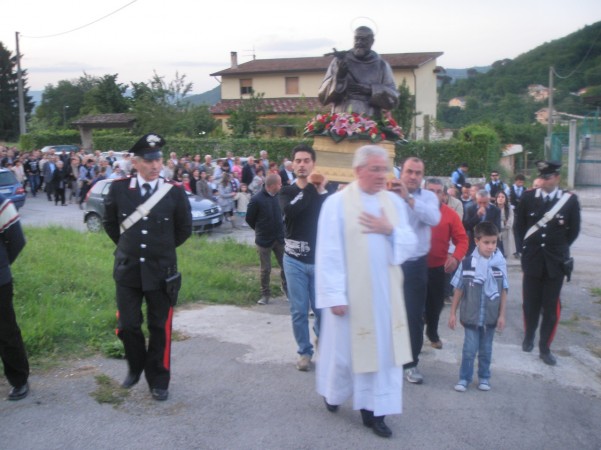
[548, 167]
[149, 147]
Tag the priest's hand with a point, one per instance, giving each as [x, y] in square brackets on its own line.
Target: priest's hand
[339, 310]
[375, 224]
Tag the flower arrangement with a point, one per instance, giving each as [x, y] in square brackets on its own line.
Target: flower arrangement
[354, 126]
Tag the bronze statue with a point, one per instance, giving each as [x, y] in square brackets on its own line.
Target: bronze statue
[359, 80]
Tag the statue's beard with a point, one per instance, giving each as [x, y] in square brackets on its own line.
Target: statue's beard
[360, 52]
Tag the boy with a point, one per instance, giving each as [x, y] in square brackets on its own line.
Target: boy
[481, 287]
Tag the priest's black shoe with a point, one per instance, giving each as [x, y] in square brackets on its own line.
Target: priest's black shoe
[130, 380]
[527, 345]
[368, 417]
[548, 358]
[159, 394]
[380, 428]
[331, 408]
[19, 393]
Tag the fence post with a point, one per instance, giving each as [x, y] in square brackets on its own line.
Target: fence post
[572, 154]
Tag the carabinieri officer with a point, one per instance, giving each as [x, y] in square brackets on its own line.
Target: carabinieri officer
[147, 217]
[547, 222]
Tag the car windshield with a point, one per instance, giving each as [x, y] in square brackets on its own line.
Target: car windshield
[7, 178]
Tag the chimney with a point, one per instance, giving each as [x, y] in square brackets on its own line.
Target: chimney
[234, 58]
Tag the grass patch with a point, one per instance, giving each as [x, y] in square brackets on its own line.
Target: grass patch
[597, 293]
[109, 391]
[572, 322]
[596, 350]
[65, 294]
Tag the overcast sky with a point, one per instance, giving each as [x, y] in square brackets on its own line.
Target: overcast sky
[195, 38]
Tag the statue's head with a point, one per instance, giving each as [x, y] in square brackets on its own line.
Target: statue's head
[364, 39]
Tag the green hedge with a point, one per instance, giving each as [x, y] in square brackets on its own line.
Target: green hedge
[440, 157]
[443, 157]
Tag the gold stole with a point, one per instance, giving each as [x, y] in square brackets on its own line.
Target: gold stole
[363, 333]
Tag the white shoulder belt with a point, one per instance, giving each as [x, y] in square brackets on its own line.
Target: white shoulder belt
[548, 215]
[144, 209]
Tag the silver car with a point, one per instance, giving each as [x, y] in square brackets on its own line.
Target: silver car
[206, 214]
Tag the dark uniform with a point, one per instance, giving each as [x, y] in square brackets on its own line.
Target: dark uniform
[544, 257]
[12, 350]
[145, 257]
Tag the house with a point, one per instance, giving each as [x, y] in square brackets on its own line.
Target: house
[290, 86]
[508, 156]
[457, 102]
[538, 92]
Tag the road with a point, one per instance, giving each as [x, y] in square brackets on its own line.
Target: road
[234, 384]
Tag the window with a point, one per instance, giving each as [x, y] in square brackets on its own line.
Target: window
[246, 86]
[292, 86]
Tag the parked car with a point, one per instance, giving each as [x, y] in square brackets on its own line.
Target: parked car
[11, 188]
[206, 214]
[118, 155]
[60, 149]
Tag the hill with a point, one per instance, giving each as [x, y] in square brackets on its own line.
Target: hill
[209, 98]
[500, 95]
[577, 55]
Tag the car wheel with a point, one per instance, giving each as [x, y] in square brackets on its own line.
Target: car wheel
[94, 223]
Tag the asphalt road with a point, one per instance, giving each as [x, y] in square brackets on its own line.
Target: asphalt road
[234, 385]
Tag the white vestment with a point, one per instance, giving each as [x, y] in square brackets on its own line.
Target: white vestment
[380, 391]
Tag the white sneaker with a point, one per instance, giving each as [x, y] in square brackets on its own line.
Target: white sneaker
[263, 301]
[413, 376]
[461, 386]
[484, 385]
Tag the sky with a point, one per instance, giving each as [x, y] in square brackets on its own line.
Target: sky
[195, 38]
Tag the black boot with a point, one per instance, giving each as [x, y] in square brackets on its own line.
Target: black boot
[367, 417]
[331, 408]
[380, 428]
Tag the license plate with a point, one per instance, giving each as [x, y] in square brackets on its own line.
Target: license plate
[5, 191]
[214, 221]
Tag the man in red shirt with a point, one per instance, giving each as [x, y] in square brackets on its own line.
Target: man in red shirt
[449, 229]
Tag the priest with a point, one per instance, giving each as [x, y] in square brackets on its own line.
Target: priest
[363, 237]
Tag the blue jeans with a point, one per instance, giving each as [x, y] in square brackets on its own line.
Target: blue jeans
[301, 294]
[477, 340]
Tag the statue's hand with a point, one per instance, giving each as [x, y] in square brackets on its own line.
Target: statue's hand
[342, 69]
[360, 89]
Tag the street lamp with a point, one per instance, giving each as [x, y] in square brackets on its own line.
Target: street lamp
[65, 107]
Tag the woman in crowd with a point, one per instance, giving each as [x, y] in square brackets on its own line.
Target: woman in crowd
[258, 180]
[169, 169]
[237, 168]
[226, 196]
[506, 223]
[74, 178]
[194, 179]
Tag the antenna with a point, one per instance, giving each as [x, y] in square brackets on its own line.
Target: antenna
[250, 52]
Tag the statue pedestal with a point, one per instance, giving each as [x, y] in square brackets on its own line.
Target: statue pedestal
[335, 160]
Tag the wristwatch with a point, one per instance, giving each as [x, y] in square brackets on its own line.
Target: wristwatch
[409, 197]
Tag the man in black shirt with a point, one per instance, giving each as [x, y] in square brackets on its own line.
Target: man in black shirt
[301, 203]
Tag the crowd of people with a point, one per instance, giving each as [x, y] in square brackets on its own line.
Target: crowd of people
[372, 261]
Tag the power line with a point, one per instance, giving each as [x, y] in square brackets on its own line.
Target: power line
[83, 26]
[581, 62]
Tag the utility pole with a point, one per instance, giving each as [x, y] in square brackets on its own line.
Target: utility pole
[548, 147]
[22, 128]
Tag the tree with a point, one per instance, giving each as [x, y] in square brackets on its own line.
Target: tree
[105, 96]
[244, 121]
[9, 96]
[161, 107]
[405, 110]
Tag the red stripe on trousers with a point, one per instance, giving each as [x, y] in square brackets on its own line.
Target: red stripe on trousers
[552, 336]
[167, 353]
